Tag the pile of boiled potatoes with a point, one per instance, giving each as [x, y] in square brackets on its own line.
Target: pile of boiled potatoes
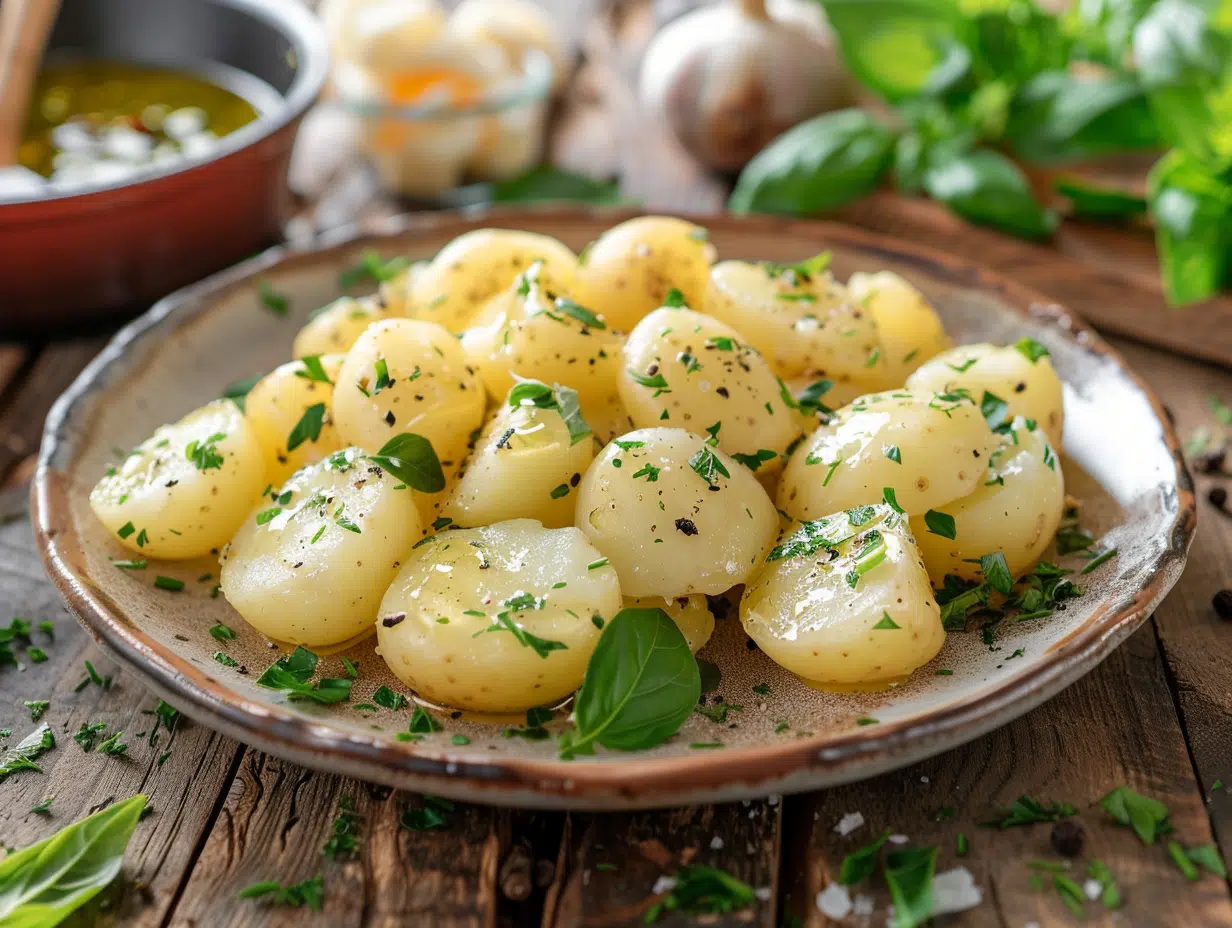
[635, 425]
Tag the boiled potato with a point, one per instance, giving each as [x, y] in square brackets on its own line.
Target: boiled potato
[1015, 510]
[501, 618]
[394, 295]
[528, 462]
[845, 601]
[929, 448]
[801, 319]
[404, 375]
[311, 564]
[530, 332]
[474, 267]
[184, 490]
[282, 409]
[674, 515]
[685, 369]
[909, 328]
[628, 271]
[1021, 374]
[690, 613]
[336, 327]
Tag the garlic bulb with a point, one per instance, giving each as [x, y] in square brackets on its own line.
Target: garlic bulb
[729, 78]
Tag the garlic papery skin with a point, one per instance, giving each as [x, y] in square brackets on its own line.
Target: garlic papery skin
[729, 78]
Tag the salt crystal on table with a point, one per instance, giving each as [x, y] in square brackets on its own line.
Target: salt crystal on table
[1093, 888]
[899, 839]
[849, 823]
[716, 843]
[955, 891]
[663, 884]
[863, 905]
[834, 901]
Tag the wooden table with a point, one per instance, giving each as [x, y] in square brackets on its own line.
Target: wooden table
[1156, 716]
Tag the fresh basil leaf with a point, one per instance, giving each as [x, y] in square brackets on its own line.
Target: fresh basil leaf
[1147, 817]
[997, 572]
[1186, 64]
[547, 184]
[940, 523]
[860, 863]
[1099, 202]
[1057, 116]
[641, 683]
[410, 458]
[533, 393]
[1192, 212]
[571, 411]
[987, 188]
[909, 875]
[818, 165]
[291, 673]
[895, 46]
[45, 882]
[1014, 40]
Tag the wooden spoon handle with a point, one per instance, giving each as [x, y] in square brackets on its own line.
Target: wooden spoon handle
[24, 29]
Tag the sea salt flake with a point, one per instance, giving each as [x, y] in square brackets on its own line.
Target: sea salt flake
[762, 893]
[863, 906]
[834, 901]
[849, 823]
[664, 884]
[716, 843]
[955, 891]
[1093, 888]
[899, 839]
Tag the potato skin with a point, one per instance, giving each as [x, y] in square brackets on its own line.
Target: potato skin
[691, 614]
[275, 406]
[302, 576]
[1031, 388]
[525, 466]
[630, 268]
[162, 503]
[1015, 510]
[335, 328]
[943, 444]
[909, 329]
[525, 333]
[673, 535]
[433, 394]
[804, 325]
[468, 577]
[476, 266]
[805, 615]
[711, 375]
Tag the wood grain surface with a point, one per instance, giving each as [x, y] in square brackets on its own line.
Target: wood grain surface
[1156, 716]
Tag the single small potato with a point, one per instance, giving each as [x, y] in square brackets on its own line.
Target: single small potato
[845, 601]
[526, 465]
[333, 329]
[929, 448]
[311, 564]
[501, 618]
[690, 613]
[909, 328]
[404, 375]
[1015, 510]
[685, 369]
[801, 319]
[628, 271]
[282, 408]
[184, 490]
[1021, 374]
[476, 266]
[674, 515]
[531, 332]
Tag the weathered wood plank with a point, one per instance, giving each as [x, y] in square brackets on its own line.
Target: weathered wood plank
[610, 864]
[26, 406]
[275, 820]
[1194, 639]
[182, 789]
[1114, 727]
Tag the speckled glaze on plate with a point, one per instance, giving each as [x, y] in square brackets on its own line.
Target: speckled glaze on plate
[1121, 458]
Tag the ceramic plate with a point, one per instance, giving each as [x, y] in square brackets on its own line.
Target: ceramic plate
[1121, 458]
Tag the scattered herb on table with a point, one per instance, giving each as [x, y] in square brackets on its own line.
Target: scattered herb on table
[699, 889]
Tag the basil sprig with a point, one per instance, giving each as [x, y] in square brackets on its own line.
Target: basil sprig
[641, 684]
[291, 674]
[561, 398]
[411, 459]
[45, 882]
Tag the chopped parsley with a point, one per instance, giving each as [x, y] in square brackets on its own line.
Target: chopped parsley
[706, 464]
[204, 455]
[308, 428]
[1030, 349]
[940, 523]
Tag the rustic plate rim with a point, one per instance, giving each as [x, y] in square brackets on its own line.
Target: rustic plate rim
[635, 780]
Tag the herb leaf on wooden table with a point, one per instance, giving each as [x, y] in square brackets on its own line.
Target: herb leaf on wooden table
[45, 882]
